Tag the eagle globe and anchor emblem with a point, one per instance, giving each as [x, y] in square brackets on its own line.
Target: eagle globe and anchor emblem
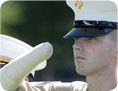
[78, 4]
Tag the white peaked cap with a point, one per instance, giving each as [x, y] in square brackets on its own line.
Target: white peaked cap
[94, 10]
[12, 48]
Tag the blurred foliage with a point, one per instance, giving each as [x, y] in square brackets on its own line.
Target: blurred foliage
[41, 21]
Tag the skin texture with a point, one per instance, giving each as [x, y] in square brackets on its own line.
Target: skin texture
[96, 58]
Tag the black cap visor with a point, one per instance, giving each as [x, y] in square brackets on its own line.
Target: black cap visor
[91, 28]
[87, 32]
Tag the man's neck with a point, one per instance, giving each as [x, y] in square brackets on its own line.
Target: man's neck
[104, 80]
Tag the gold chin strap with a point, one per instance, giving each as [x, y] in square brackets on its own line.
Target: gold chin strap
[5, 59]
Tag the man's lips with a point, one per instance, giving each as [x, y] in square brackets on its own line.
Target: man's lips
[79, 58]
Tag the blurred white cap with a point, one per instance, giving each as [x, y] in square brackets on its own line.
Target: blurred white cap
[94, 10]
[11, 48]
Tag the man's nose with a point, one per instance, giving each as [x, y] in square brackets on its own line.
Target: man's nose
[78, 45]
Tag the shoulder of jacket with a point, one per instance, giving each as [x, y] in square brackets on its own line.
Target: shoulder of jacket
[71, 86]
[80, 82]
[79, 86]
[57, 82]
[38, 83]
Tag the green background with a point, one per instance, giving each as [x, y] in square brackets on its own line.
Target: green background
[35, 22]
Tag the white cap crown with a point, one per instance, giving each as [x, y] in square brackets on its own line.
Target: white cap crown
[11, 48]
[94, 10]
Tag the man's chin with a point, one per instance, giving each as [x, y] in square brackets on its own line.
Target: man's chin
[82, 72]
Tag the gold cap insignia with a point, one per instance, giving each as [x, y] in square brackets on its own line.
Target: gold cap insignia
[78, 4]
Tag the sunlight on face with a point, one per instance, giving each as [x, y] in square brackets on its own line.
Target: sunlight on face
[93, 55]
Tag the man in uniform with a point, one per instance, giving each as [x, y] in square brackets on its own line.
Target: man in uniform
[95, 47]
[95, 50]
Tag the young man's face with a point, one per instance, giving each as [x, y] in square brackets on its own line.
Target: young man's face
[93, 55]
